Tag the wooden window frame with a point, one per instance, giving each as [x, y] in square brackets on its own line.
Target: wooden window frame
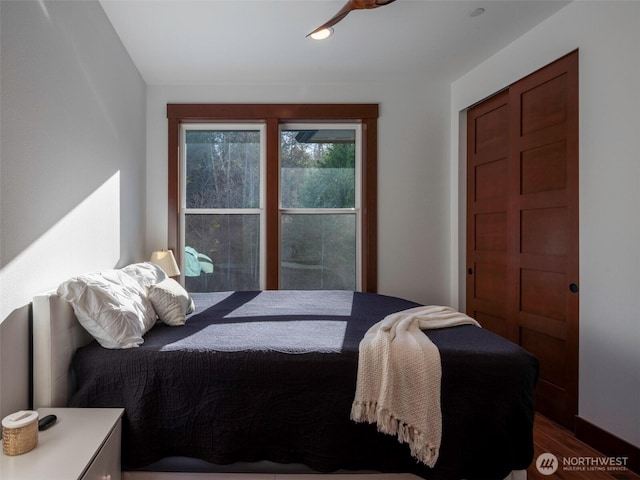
[273, 115]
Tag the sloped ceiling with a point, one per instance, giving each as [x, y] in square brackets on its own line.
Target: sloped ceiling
[176, 42]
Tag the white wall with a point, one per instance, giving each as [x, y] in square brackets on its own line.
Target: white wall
[413, 198]
[608, 36]
[72, 171]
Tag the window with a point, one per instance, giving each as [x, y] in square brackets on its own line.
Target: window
[319, 207]
[273, 196]
[222, 207]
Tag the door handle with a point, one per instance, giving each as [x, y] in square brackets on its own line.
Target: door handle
[573, 288]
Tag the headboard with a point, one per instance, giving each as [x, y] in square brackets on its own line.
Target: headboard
[57, 334]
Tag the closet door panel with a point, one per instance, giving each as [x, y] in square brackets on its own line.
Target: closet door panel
[543, 226]
[487, 188]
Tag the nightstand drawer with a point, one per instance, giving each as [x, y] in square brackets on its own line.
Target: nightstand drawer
[106, 465]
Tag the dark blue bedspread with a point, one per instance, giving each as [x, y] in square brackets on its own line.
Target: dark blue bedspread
[271, 376]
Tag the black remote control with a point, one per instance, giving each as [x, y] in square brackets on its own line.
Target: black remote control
[46, 422]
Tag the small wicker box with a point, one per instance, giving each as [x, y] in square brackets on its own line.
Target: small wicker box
[19, 432]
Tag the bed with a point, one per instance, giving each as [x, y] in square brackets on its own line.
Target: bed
[263, 382]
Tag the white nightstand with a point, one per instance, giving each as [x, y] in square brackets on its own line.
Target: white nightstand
[84, 444]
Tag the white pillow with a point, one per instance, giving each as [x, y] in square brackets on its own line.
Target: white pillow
[171, 302]
[146, 273]
[112, 306]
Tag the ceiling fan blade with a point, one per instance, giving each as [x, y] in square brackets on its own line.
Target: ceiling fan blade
[348, 7]
[344, 11]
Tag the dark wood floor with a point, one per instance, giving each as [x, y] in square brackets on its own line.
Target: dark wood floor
[551, 438]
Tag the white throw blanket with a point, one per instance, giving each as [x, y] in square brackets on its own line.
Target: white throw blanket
[399, 374]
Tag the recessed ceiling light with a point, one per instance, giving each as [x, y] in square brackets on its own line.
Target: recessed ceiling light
[322, 34]
[477, 12]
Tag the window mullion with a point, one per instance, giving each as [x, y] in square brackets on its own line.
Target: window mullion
[319, 211]
[222, 211]
[272, 213]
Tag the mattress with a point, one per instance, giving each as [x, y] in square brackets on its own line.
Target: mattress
[271, 375]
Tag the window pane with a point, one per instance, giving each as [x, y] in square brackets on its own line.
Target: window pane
[318, 252]
[223, 169]
[222, 252]
[317, 168]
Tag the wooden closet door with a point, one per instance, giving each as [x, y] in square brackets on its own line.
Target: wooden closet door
[487, 203]
[541, 229]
